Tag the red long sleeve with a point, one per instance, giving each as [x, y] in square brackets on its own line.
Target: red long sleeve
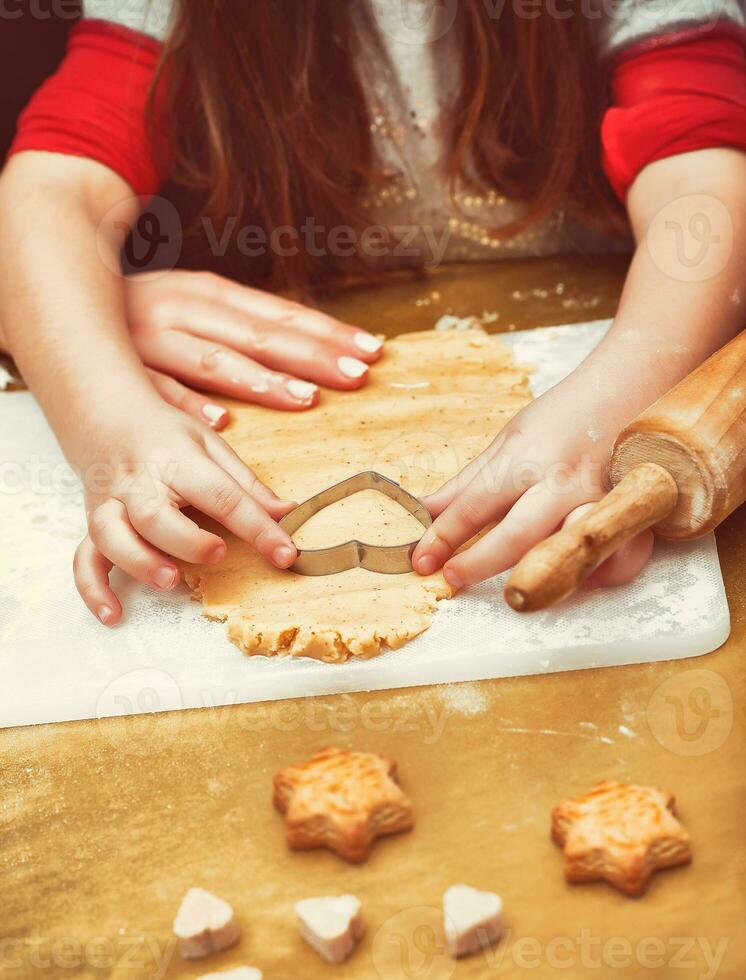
[95, 104]
[673, 99]
[679, 95]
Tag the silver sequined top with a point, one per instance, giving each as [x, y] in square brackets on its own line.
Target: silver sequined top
[406, 92]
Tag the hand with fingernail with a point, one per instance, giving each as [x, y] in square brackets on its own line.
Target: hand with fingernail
[197, 332]
[137, 480]
[532, 479]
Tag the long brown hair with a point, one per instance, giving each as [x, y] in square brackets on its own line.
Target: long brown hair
[269, 118]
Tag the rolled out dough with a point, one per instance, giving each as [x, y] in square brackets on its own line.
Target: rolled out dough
[433, 403]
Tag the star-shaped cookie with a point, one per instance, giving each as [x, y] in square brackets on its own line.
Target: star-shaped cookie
[341, 800]
[621, 833]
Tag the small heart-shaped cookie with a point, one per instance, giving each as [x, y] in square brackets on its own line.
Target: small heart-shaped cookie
[472, 920]
[332, 925]
[204, 924]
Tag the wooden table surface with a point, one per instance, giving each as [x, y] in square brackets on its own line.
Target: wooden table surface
[105, 824]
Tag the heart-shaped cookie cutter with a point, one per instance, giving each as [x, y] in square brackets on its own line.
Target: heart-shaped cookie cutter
[389, 559]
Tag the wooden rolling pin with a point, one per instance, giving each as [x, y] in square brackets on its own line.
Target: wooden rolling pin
[679, 468]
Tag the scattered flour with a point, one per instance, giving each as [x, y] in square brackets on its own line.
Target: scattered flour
[450, 322]
[464, 699]
[553, 731]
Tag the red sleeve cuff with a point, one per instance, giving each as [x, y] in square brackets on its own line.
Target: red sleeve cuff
[690, 96]
[95, 105]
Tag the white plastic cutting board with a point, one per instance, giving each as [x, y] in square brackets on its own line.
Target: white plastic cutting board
[58, 664]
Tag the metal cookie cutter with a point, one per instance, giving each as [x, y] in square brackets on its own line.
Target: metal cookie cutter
[389, 559]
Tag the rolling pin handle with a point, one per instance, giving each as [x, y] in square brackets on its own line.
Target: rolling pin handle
[556, 567]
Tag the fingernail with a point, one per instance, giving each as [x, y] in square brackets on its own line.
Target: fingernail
[216, 554]
[367, 342]
[453, 579]
[303, 391]
[104, 614]
[426, 565]
[351, 367]
[283, 556]
[214, 414]
[165, 577]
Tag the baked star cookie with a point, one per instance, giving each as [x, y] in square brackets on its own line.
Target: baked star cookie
[620, 833]
[343, 801]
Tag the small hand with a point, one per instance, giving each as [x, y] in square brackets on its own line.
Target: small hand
[532, 479]
[136, 487]
[199, 330]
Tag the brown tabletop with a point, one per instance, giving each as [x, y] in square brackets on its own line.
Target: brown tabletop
[105, 824]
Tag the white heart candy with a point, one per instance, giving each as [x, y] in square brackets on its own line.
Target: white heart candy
[204, 924]
[472, 919]
[332, 925]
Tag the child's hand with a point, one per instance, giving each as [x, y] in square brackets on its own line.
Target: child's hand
[553, 456]
[543, 469]
[199, 329]
[137, 484]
